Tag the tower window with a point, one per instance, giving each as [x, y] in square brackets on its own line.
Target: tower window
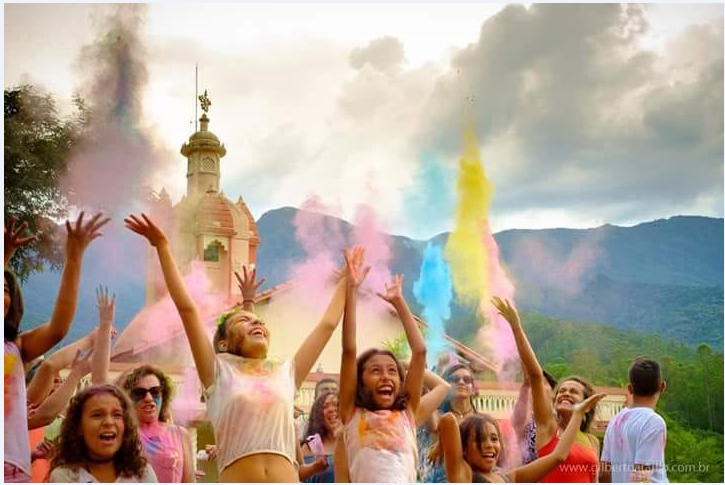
[208, 164]
[211, 252]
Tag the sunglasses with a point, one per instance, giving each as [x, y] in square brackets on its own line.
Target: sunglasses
[138, 393]
[464, 379]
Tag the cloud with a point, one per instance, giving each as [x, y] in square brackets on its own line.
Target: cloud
[384, 55]
[579, 118]
[579, 123]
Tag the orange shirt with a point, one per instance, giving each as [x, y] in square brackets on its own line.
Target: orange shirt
[39, 467]
[580, 465]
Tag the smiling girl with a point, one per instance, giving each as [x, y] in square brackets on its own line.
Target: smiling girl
[473, 449]
[378, 401]
[249, 396]
[99, 441]
[582, 462]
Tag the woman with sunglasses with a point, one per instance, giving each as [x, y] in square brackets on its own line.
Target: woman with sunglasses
[459, 402]
[460, 398]
[167, 446]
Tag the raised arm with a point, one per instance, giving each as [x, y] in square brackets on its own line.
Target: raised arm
[201, 348]
[414, 377]
[520, 416]
[13, 238]
[42, 382]
[545, 422]
[312, 347]
[449, 439]
[539, 468]
[39, 340]
[348, 366]
[430, 402]
[248, 286]
[101, 359]
[57, 402]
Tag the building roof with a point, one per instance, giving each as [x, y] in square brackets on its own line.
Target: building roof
[214, 215]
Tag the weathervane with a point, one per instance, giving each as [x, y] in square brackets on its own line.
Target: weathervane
[205, 102]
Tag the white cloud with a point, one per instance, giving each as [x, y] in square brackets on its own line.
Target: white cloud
[578, 123]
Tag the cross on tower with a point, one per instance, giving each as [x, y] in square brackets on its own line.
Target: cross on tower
[205, 102]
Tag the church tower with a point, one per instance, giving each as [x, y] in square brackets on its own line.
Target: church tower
[205, 225]
[203, 153]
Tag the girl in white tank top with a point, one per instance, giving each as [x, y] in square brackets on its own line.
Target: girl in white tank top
[378, 402]
[249, 395]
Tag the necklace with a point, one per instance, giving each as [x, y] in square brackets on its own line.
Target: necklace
[463, 414]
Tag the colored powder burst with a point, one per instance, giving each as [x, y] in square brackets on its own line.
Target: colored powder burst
[432, 194]
[434, 291]
[498, 333]
[158, 325]
[473, 254]
[377, 247]
[322, 240]
[464, 252]
[117, 157]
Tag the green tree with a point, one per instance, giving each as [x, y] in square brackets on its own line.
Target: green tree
[38, 143]
[704, 352]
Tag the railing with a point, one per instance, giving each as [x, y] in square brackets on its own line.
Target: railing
[497, 402]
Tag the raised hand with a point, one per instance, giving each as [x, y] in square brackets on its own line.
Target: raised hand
[81, 364]
[393, 291]
[80, 235]
[144, 226]
[248, 283]
[354, 260]
[106, 306]
[435, 457]
[506, 310]
[588, 404]
[13, 238]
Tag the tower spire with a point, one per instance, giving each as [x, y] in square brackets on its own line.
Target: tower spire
[196, 96]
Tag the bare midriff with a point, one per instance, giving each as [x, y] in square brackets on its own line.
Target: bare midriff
[262, 468]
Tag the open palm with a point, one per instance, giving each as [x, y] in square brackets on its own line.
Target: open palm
[393, 291]
[144, 226]
[354, 260]
[506, 310]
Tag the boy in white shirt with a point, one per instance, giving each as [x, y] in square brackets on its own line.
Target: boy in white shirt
[634, 444]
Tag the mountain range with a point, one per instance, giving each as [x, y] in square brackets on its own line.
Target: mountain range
[663, 277]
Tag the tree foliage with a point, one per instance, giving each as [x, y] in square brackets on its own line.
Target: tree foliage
[38, 143]
[692, 404]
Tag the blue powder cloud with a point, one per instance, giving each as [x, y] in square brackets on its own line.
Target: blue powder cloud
[434, 292]
[429, 201]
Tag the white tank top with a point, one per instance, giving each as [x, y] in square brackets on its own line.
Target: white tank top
[381, 446]
[17, 441]
[251, 408]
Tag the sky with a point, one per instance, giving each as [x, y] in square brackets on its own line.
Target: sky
[585, 114]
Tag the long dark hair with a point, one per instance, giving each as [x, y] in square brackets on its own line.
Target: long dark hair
[475, 425]
[364, 397]
[15, 312]
[447, 376]
[588, 391]
[70, 446]
[167, 387]
[316, 424]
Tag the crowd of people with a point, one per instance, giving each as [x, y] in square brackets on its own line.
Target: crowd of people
[385, 420]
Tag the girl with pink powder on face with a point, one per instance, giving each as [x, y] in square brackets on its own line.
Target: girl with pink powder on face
[249, 396]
